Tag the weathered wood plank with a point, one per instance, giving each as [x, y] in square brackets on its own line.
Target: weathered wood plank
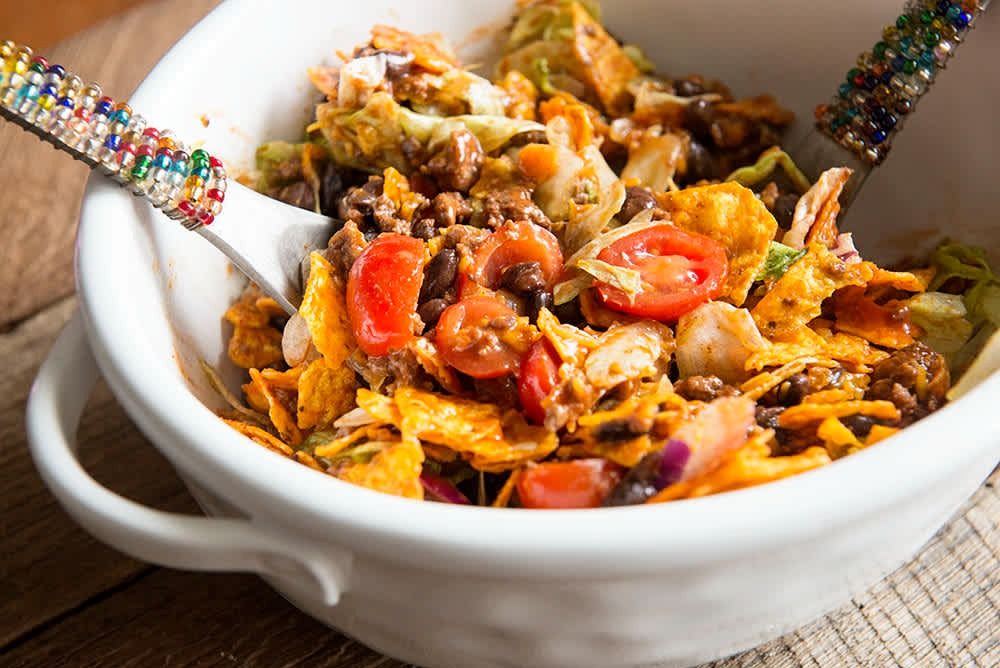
[177, 619]
[49, 564]
[40, 188]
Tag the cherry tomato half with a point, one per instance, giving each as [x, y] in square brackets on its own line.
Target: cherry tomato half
[471, 337]
[539, 374]
[681, 270]
[382, 292]
[578, 483]
[511, 244]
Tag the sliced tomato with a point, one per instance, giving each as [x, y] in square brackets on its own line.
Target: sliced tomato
[472, 336]
[539, 374]
[578, 483]
[511, 244]
[680, 269]
[382, 292]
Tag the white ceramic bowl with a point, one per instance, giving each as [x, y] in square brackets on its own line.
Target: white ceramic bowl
[443, 585]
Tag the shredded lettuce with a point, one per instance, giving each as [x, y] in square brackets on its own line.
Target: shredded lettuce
[654, 161]
[627, 280]
[981, 301]
[943, 319]
[752, 175]
[543, 76]
[779, 258]
[371, 138]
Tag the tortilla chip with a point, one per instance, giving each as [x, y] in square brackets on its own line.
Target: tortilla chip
[430, 51]
[764, 382]
[521, 95]
[915, 281]
[661, 413]
[838, 440]
[603, 62]
[303, 457]
[259, 436]
[379, 406]
[394, 469]
[430, 359]
[280, 404]
[803, 415]
[732, 215]
[857, 313]
[325, 311]
[325, 393]
[572, 343]
[797, 297]
[445, 420]
[830, 397]
[254, 347]
[748, 466]
[521, 443]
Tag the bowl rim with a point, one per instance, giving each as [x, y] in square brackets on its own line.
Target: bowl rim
[281, 489]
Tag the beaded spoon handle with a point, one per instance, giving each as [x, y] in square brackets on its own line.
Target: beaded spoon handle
[188, 187]
[857, 127]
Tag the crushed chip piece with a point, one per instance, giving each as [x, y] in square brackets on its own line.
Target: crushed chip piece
[325, 311]
[732, 215]
[281, 405]
[572, 343]
[838, 440]
[430, 51]
[879, 433]
[395, 469]
[254, 347]
[325, 393]
[766, 381]
[430, 359]
[448, 421]
[916, 281]
[258, 435]
[797, 297]
[796, 417]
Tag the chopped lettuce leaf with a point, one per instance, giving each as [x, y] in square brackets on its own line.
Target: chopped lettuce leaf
[779, 258]
[771, 159]
[542, 76]
[942, 317]
[371, 138]
[278, 164]
[627, 280]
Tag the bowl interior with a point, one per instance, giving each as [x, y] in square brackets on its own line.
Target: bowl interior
[153, 293]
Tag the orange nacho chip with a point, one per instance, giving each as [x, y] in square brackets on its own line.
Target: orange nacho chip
[766, 381]
[521, 443]
[838, 440]
[797, 297]
[430, 51]
[803, 415]
[254, 347]
[325, 311]
[395, 469]
[857, 313]
[448, 421]
[280, 408]
[259, 436]
[915, 281]
[879, 433]
[325, 393]
[732, 215]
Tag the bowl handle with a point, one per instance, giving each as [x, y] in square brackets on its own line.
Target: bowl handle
[55, 405]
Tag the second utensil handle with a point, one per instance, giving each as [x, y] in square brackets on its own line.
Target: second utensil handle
[885, 85]
[109, 137]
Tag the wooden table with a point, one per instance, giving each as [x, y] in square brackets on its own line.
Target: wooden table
[66, 600]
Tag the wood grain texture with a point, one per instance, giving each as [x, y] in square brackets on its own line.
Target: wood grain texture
[42, 23]
[38, 219]
[50, 565]
[68, 601]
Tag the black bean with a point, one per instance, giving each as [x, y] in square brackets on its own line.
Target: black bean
[767, 417]
[793, 390]
[440, 274]
[523, 278]
[298, 194]
[637, 199]
[538, 301]
[784, 209]
[699, 116]
[623, 429]
[569, 312]
[639, 484]
[701, 164]
[430, 311]
[860, 425]
[331, 186]
[690, 86]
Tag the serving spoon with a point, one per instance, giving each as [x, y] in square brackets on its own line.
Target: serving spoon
[266, 239]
